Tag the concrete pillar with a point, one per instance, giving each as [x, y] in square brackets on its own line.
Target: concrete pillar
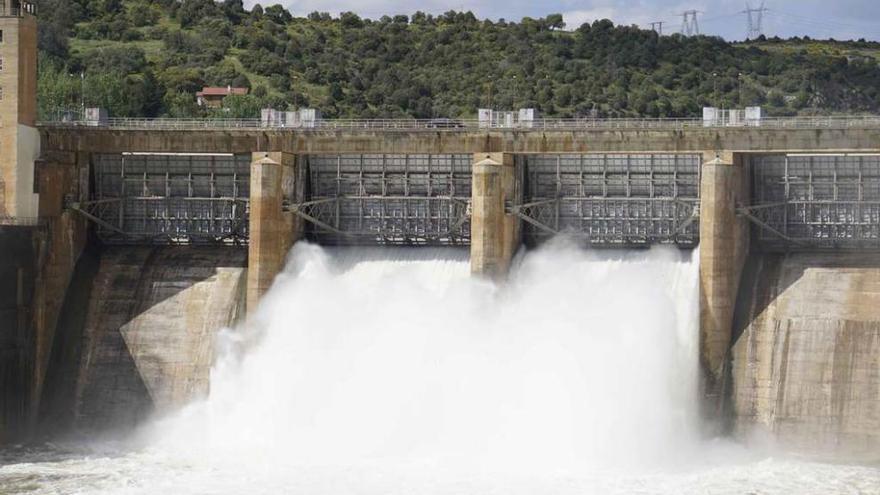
[494, 233]
[62, 239]
[272, 231]
[724, 245]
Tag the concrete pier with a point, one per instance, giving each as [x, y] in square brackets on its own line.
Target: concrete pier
[724, 245]
[272, 231]
[494, 232]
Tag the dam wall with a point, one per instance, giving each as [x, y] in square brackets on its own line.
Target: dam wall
[149, 332]
[18, 266]
[37, 260]
[144, 196]
[806, 360]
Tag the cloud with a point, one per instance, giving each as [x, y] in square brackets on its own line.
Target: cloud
[574, 18]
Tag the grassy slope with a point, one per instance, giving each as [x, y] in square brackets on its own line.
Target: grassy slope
[814, 47]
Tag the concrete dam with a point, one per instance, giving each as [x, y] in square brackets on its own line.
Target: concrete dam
[151, 239]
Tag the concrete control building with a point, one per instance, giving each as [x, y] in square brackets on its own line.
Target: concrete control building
[19, 138]
[154, 234]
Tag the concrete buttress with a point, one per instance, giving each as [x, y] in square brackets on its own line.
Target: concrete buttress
[494, 233]
[724, 241]
[272, 231]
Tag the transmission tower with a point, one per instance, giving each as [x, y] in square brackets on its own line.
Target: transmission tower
[689, 24]
[755, 19]
[657, 27]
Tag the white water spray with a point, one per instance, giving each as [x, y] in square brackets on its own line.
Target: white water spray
[582, 360]
[393, 372]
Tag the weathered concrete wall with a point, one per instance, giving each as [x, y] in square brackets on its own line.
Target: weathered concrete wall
[272, 231]
[806, 365]
[61, 243]
[18, 266]
[53, 248]
[149, 333]
[462, 141]
[724, 245]
[495, 235]
[58, 397]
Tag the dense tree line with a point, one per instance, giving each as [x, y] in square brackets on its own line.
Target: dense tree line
[148, 57]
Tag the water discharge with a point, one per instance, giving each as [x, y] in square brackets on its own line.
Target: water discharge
[578, 361]
[393, 371]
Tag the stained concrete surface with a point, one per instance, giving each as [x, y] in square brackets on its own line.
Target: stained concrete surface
[149, 331]
[17, 270]
[806, 365]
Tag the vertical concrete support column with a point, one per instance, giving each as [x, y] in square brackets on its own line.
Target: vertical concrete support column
[724, 241]
[494, 233]
[58, 176]
[272, 231]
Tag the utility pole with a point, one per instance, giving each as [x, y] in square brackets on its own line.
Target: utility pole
[755, 18]
[715, 87]
[657, 27]
[82, 95]
[739, 79]
[689, 24]
[515, 90]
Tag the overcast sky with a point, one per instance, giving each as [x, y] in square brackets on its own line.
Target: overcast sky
[840, 19]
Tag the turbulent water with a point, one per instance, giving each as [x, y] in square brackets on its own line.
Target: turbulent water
[392, 371]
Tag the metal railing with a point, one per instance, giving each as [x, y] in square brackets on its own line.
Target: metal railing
[831, 122]
[24, 8]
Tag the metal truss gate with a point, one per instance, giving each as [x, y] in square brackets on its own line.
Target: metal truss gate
[145, 198]
[815, 201]
[612, 199]
[398, 199]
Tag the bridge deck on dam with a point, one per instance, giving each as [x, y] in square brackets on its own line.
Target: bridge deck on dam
[807, 135]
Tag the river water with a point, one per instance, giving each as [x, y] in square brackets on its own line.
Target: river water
[386, 371]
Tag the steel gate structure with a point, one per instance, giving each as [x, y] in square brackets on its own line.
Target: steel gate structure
[815, 201]
[146, 198]
[397, 199]
[612, 199]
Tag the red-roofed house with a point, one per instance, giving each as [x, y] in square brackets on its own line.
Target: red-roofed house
[213, 97]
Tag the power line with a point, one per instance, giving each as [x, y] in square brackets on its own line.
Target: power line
[830, 28]
[755, 19]
[824, 22]
[689, 24]
[720, 17]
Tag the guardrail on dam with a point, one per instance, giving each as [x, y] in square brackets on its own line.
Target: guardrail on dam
[735, 193]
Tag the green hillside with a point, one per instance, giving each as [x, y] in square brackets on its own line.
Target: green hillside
[149, 57]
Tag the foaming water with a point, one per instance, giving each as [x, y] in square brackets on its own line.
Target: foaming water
[581, 360]
[394, 371]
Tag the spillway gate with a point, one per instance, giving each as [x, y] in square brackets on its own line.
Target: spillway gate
[396, 199]
[612, 199]
[149, 198]
[813, 201]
